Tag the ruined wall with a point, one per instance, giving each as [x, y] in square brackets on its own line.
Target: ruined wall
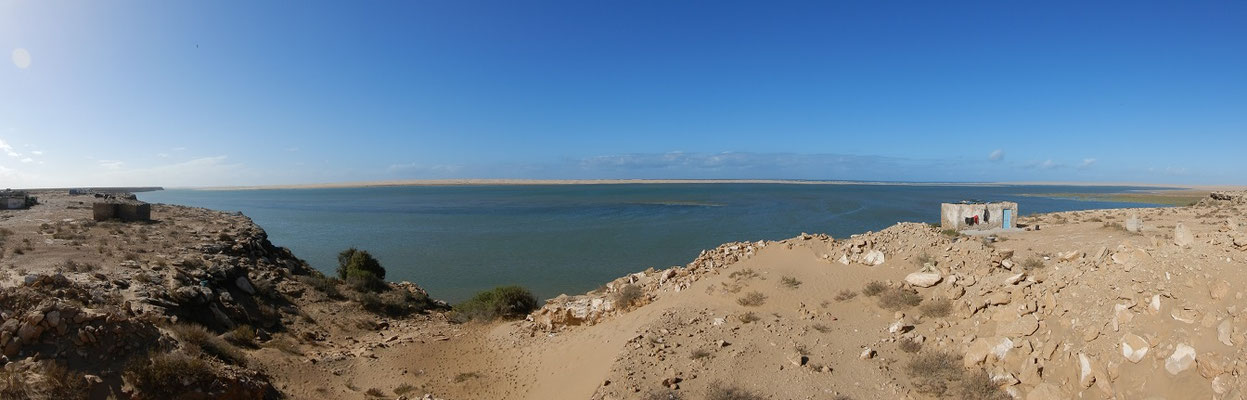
[991, 215]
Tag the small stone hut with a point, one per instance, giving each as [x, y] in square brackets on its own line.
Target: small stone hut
[126, 211]
[978, 215]
[15, 200]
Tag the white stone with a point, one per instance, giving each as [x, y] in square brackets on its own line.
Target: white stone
[1223, 332]
[844, 259]
[923, 279]
[874, 257]
[1133, 347]
[1134, 224]
[1085, 374]
[1181, 360]
[1182, 236]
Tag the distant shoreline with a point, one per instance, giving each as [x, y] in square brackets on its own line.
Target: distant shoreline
[519, 182]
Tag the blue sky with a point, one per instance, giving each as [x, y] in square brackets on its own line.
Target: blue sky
[241, 93]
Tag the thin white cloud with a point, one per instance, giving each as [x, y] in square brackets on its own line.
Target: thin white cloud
[111, 164]
[162, 155]
[996, 155]
[28, 160]
[8, 149]
[36, 152]
[1087, 162]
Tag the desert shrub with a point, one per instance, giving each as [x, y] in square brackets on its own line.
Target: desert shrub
[74, 266]
[662, 394]
[719, 391]
[1032, 263]
[790, 282]
[936, 308]
[899, 299]
[242, 336]
[404, 389]
[978, 385]
[845, 295]
[166, 375]
[322, 283]
[874, 288]
[374, 392]
[627, 295]
[744, 274]
[699, 354]
[42, 380]
[932, 371]
[752, 299]
[951, 232]
[284, 343]
[501, 302]
[465, 376]
[361, 281]
[395, 303]
[821, 328]
[197, 338]
[923, 259]
[356, 262]
[748, 317]
[909, 346]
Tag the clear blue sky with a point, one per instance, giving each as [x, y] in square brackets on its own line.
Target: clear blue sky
[234, 93]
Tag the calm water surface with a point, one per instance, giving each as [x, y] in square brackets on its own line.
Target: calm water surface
[455, 240]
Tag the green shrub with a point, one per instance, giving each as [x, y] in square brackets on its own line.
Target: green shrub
[363, 281]
[394, 303]
[501, 302]
[322, 283]
[352, 260]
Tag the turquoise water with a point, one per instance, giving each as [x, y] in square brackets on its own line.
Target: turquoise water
[456, 240]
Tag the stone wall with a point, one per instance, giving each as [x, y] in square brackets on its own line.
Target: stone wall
[990, 215]
[128, 212]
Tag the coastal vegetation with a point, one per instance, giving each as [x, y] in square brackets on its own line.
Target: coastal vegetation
[503, 302]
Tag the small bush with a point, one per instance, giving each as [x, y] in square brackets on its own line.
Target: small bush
[43, 380]
[374, 392]
[924, 259]
[285, 344]
[354, 261]
[395, 303]
[663, 394]
[167, 375]
[717, 391]
[323, 284]
[501, 302]
[909, 346]
[73, 266]
[951, 232]
[365, 282]
[899, 299]
[748, 317]
[627, 295]
[404, 389]
[936, 308]
[744, 274]
[874, 288]
[932, 371]
[699, 354]
[1032, 263]
[464, 376]
[752, 299]
[790, 282]
[978, 385]
[197, 338]
[845, 295]
[242, 336]
[821, 328]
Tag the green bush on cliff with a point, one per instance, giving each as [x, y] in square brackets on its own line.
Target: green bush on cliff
[508, 302]
[356, 262]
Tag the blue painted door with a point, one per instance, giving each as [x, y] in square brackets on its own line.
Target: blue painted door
[1008, 217]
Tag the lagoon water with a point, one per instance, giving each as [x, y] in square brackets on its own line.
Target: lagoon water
[456, 240]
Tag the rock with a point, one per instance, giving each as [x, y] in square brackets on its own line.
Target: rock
[1181, 360]
[1046, 391]
[1182, 236]
[1085, 374]
[1133, 347]
[1121, 315]
[798, 359]
[53, 317]
[1219, 289]
[899, 326]
[844, 259]
[1154, 305]
[1209, 366]
[867, 353]
[1184, 315]
[874, 257]
[1134, 224]
[1224, 330]
[1222, 384]
[245, 285]
[1002, 348]
[1024, 326]
[923, 279]
[977, 352]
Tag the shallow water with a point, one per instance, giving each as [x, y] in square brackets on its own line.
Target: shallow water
[456, 240]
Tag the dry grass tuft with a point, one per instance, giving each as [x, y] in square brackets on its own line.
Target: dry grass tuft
[899, 299]
[699, 354]
[197, 338]
[627, 295]
[845, 295]
[465, 376]
[909, 346]
[978, 385]
[1032, 263]
[748, 317]
[873, 288]
[164, 376]
[932, 371]
[936, 308]
[717, 391]
[43, 380]
[743, 275]
[790, 282]
[752, 299]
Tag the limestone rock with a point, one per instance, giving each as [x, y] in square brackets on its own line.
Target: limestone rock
[1219, 289]
[1085, 374]
[1224, 330]
[923, 279]
[1133, 347]
[1182, 359]
[1121, 315]
[1182, 236]
[867, 353]
[1024, 326]
[1046, 391]
[977, 352]
[874, 257]
[1134, 224]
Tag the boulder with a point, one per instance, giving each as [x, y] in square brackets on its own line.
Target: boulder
[1182, 236]
[244, 284]
[1182, 359]
[1134, 224]
[874, 257]
[923, 279]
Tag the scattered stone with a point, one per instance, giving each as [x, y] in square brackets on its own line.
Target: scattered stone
[867, 353]
[1224, 330]
[1182, 236]
[1181, 360]
[874, 257]
[923, 279]
[1085, 375]
[1133, 347]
